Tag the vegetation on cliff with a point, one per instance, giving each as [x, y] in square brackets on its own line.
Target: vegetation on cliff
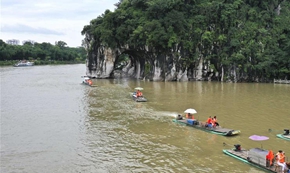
[41, 53]
[240, 40]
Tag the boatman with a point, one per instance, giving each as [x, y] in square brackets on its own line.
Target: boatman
[179, 117]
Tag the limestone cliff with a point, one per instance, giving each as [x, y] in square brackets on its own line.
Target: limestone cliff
[102, 64]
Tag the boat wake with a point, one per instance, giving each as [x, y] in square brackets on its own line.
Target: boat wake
[168, 114]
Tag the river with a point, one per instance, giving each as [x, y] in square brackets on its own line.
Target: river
[52, 123]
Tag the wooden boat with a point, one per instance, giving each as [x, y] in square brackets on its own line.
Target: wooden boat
[200, 125]
[285, 135]
[256, 157]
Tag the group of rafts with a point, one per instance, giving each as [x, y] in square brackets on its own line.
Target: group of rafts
[137, 95]
[258, 157]
[210, 125]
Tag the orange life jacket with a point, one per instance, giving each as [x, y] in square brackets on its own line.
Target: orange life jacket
[208, 121]
[270, 157]
[281, 158]
[215, 120]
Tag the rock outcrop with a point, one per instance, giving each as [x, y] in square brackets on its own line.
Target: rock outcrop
[102, 63]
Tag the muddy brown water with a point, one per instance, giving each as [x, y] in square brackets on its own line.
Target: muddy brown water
[52, 123]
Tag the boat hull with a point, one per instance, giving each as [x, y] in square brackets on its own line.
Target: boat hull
[285, 137]
[138, 99]
[246, 157]
[217, 130]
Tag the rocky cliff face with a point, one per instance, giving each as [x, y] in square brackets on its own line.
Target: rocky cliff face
[144, 65]
[102, 63]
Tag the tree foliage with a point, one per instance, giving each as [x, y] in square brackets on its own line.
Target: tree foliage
[251, 35]
[41, 51]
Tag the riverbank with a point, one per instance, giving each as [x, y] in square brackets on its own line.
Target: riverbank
[40, 62]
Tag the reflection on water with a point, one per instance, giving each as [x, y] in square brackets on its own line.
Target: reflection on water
[50, 122]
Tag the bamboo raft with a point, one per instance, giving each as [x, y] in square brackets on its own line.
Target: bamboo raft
[216, 130]
[282, 136]
[255, 157]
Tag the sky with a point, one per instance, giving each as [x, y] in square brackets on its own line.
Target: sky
[49, 20]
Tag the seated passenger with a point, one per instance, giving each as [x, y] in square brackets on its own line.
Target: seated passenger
[208, 122]
[213, 122]
[189, 116]
[216, 122]
[192, 117]
[281, 160]
[139, 93]
[270, 159]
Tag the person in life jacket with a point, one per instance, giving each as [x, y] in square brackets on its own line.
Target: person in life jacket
[139, 93]
[189, 116]
[281, 159]
[208, 122]
[215, 121]
[192, 117]
[270, 158]
[90, 82]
